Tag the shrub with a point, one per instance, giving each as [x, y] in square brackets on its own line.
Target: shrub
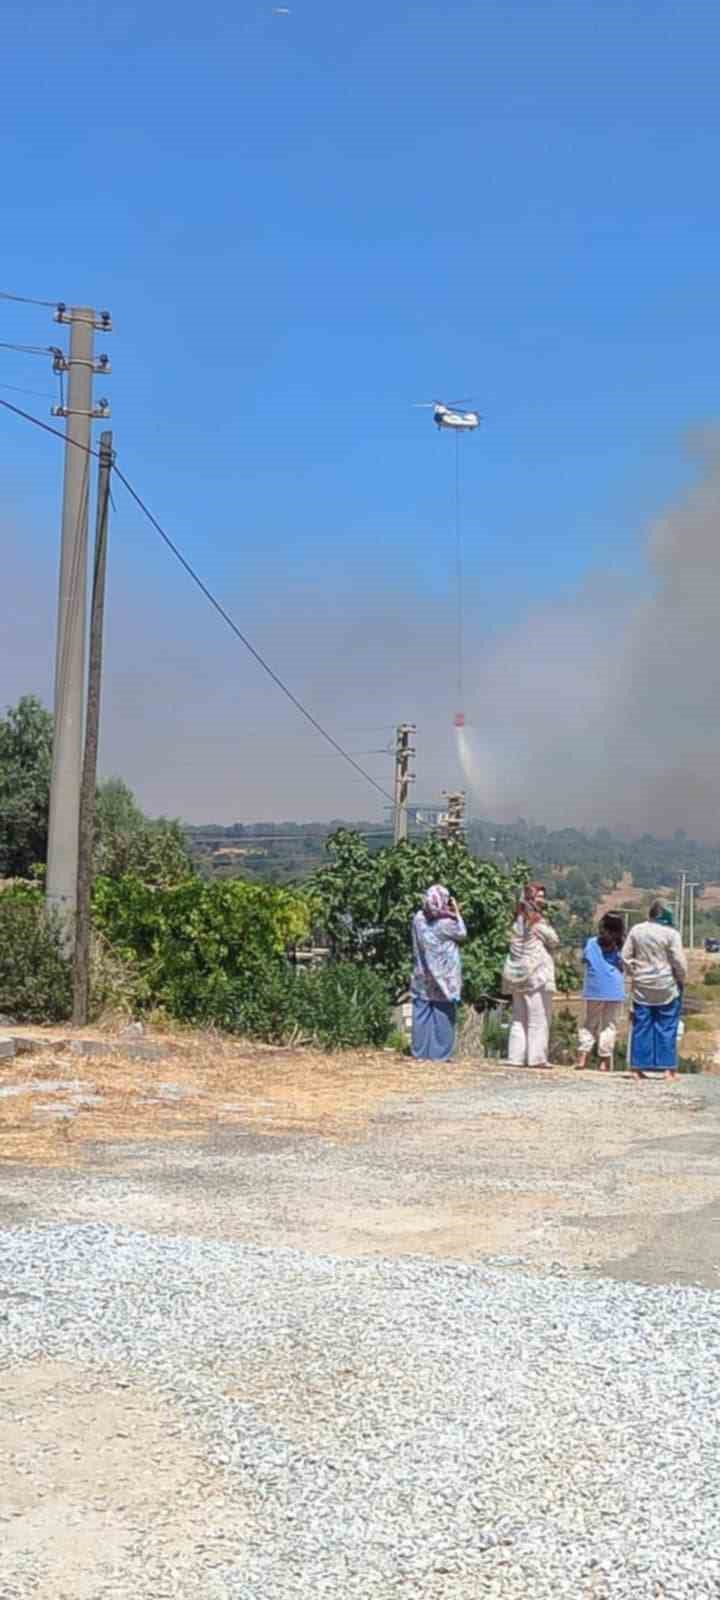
[564, 1037]
[342, 1006]
[496, 1029]
[35, 983]
[194, 946]
[712, 977]
[568, 974]
[339, 1006]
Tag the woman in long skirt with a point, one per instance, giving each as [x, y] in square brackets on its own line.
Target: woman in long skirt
[529, 976]
[437, 933]
[653, 957]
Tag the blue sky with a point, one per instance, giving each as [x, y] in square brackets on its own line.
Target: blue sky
[302, 225]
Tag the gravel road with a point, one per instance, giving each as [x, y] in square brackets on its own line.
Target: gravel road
[284, 1368]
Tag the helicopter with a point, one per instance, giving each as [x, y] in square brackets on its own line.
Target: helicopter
[450, 416]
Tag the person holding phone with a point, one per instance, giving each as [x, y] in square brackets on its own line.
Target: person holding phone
[437, 931]
[529, 976]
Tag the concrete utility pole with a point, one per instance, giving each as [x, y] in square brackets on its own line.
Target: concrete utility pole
[681, 910]
[403, 778]
[81, 960]
[454, 827]
[72, 608]
[691, 891]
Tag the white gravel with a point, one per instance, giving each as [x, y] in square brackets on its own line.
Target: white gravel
[393, 1427]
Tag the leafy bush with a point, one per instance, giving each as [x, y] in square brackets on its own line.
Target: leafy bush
[342, 1006]
[35, 983]
[496, 1029]
[568, 975]
[712, 977]
[339, 1006]
[564, 1037]
[195, 946]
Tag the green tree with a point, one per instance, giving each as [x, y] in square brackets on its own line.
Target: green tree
[25, 766]
[129, 843]
[367, 899]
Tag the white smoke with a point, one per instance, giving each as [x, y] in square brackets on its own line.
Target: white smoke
[603, 707]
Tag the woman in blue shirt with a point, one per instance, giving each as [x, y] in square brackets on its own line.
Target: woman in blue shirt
[603, 991]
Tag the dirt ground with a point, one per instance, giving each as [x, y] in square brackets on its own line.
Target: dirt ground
[201, 1081]
[352, 1155]
[358, 1153]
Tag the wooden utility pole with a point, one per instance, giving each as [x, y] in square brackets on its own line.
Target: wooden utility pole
[404, 751]
[86, 828]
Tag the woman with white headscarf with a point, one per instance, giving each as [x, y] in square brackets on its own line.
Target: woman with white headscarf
[437, 932]
[529, 976]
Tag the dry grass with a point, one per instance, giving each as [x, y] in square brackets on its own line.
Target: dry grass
[272, 1091]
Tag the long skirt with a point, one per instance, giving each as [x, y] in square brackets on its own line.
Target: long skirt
[529, 1039]
[433, 1029]
[654, 1036]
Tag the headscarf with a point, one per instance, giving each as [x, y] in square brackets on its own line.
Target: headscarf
[435, 902]
[527, 906]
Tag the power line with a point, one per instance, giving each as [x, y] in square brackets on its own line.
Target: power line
[40, 394]
[46, 427]
[28, 349]
[213, 601]
[26, 300]
[460, 621]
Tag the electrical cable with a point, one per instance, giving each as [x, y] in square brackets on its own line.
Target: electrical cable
[214, 602]
[27, 300]
[28, 349]
[47, 428]
[459, 582]
[40, 394]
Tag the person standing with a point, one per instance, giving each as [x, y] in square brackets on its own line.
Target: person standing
[603, 991]
[529, 976]
[438, 931]
[655, 961]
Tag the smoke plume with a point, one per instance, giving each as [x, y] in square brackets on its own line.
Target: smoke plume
[599, 707]
[603, 708]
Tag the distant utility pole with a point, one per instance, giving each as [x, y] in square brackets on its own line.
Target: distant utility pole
[691, 890]
[81, 959]
[681, 904]
[64, 825]
[454, 826]
[404, 751]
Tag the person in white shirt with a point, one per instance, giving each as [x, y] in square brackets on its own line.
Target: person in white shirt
[655, 963]
[529, 976]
